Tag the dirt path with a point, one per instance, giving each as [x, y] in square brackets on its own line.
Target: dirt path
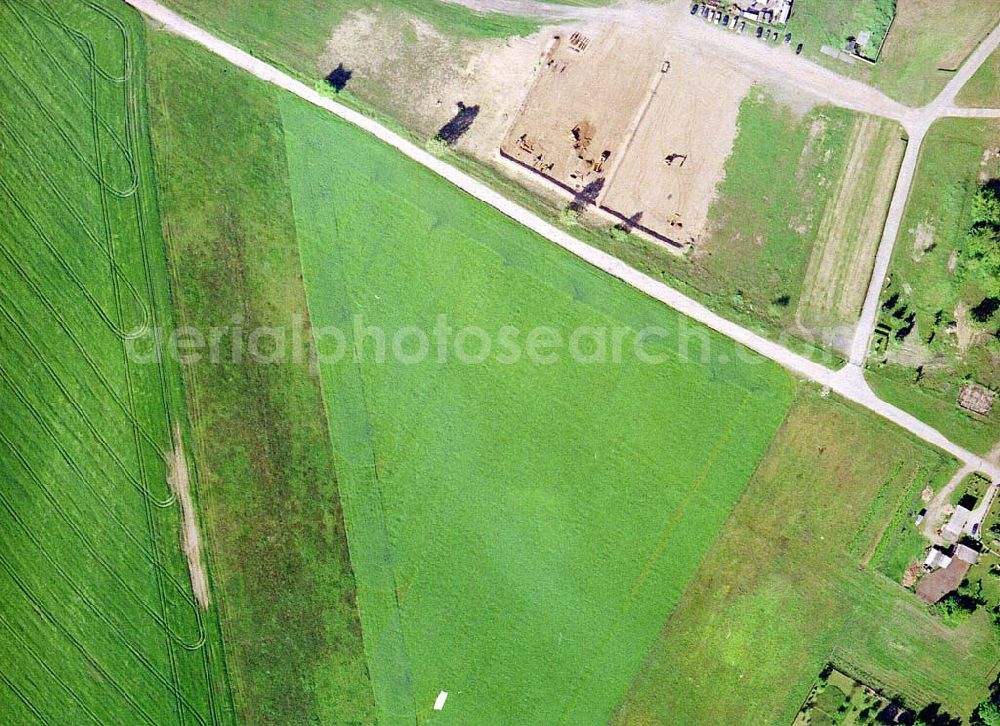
[937, 508]
[848, 382]
[673, 20]
[180, 484]
[943, 105]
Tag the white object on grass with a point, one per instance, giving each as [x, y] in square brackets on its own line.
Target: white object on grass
[439, 703]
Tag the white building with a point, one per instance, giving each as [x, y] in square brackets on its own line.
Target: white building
[936, 559]
[953, 530]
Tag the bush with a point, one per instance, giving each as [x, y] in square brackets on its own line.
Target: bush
[956, 607]
[981, 251]
[569, 217]
[987, 714]
[338, 78]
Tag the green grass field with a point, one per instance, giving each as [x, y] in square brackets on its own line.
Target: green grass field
[797, 219]
[831, 22]
[518, 531]
[272, 511]
[294, 33]
[99, 624]
[784, 591]
[983, 89]
[924, 373]
[927, 43]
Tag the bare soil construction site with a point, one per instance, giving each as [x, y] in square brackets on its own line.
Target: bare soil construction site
[648, 153]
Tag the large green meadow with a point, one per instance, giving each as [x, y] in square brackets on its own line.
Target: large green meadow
[519, 530]
[98, 622]
[794, 583]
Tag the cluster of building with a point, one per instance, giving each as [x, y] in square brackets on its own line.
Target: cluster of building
[947, 568]
[774, 12]
[947, 564]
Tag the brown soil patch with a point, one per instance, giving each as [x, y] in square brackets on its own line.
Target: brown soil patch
[912, 353]
[911, 575]
[592, 87]
[408, 68]
[923, 240]
[691, 120]
[647, 116]
[179, 480]
[964, 330]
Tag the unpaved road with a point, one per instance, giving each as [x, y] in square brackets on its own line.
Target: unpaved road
[849, 382]
[753, 56]
[916, 127]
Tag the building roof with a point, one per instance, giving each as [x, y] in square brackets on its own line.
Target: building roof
[953, 530]
[939, 583]
[966, 554]
[936, 558]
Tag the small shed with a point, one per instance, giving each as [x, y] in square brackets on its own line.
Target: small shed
[976, 398]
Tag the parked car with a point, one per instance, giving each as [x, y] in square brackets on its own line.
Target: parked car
[718, 17]
[743, 26]
[694, 9]
[798, 49]
[725, 20]
[788, 38]
[760, 31]
[704, 11]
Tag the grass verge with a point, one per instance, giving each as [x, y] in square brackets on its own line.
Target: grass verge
[983, 89]
[269, 489]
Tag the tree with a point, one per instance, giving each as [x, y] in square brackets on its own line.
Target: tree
[452, 131]
[587, 195]
[981, 250]
[986, 204]
[987, 713]
[932, 715]
[338, 78]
